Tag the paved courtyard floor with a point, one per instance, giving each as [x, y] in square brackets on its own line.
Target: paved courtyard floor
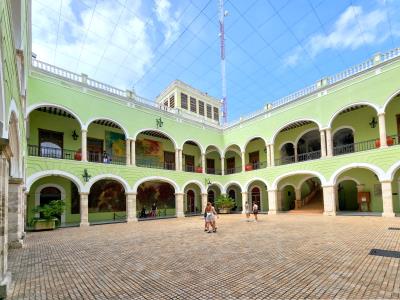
[280, 257]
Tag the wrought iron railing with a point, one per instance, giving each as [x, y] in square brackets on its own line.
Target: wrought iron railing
[105, 158]
[285, 160]
[256, 165]
[154, 164]
[233, 170]
[188, 168]
[213, 171]
[309, 155]
[355, 147]
[50, 152]
[158, 214]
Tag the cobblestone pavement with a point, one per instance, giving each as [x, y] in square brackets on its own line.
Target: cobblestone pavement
[280, 257]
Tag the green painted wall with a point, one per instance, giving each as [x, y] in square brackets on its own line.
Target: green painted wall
[347, 195]
[288, 197]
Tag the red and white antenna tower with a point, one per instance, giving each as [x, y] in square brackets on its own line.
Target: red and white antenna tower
[222, 15]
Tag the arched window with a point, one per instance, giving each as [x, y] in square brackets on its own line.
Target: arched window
[232, 194]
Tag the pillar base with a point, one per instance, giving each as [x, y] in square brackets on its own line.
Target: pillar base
[84, 224]
[389, 215]
[133, 220]
[273, 212]
[16, 244]
[180, 215]
[329, 213]
[4, 285]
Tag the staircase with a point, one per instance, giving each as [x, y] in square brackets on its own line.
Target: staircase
[311, 204]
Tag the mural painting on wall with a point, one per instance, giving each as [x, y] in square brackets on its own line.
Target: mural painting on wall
[149, 150]
[107, 196]
[115, 143]
[161, 193]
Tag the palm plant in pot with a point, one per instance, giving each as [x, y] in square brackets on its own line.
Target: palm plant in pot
[224, 204]
[48, 215]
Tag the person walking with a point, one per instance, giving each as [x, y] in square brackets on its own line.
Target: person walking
[255, 211]
[247, 211]
[210, 217]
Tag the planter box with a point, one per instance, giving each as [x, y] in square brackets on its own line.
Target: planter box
[199, 170]
[45, 225]
[224, 210]
[389, 142]
[248, 167]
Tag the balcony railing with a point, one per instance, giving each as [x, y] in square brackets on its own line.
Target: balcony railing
[49, 152]
[285, 160]
[233, 170]
[155, 165]
[106, 159]
[188, 168]
[309, 155]
[213, 171]
[256, 165]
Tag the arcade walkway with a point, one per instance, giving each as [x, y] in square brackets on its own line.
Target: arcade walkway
[281, 256]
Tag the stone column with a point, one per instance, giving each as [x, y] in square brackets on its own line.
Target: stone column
[5, 275]
[268, 153]
[382, 129]
[272, 151]
[179, 205]
[84, 209]
[245, 199]
[222, 165]
[298, 202]
[387, 198]
[84, 144]
[273, 202]
[203, 162]
[204, 200]
[329, 200]
[133, 152]
[131, 207]
[243, 161]
[15, 213]
[295, 153]
[329, 149]
[128, 151]
[177, 159]
[323, 143]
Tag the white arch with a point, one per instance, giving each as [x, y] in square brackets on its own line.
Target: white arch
[197, 143]
[197, 182]
[14, 135]
[233, 182]
[233, 150]
[217, 149]
[36, 176]
[135, 137]
[284, 143]
[287, 184]
[90, 121]
[57, 186]
[388, 101]
[303, 181]
[96, 178]
[248, 183]
[250, 139]
[376, 170]
[392, 170]
[342, 127]
[348, 178]
[155, 178]
[332, 118]
[221, 188]
[303, 133]
[294, 121]
[274, 185]
[44, 104]
[3, 108]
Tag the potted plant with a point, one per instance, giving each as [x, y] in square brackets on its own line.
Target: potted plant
[224, 204]
[199, 169]
[78, 155]
[248, 167]
[389, 142]
[49, 213]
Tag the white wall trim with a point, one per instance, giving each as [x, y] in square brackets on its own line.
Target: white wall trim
[378, 171]
[335, 114]
[284, 143]
[388, 100]
[91, 120]
[392, 170]
[250, 139]
[36, 176]
[233, 182]
[135, 136]
[217, 184]
[290, 122]
[342, 127]
[251, 181]
[196, 182]
[275, 183]
[304, 132]
[345, 178]
[96, 178]
[216, 149]
[197, 143]
[233, 150]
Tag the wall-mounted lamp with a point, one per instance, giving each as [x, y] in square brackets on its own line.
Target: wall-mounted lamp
[75, 135]
[159, 122]
[207, 181]
[86, 175]
[265, 149]
[373, 122]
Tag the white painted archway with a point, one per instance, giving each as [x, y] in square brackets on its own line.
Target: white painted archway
[275, 183]
[155, 178]
[97, 178]
[376, 170]
[36, 176]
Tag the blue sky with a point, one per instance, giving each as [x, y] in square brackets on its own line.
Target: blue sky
[273, 48]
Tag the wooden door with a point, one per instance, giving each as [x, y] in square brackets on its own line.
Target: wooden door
[169, 160]
[190, 201]
[230, 165]
[256, 197]
[210, 166]
[95, 149]
[189, 163]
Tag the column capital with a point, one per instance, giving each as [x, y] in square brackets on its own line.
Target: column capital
[272, 190]
[178, 194]
[204, 194]
[328, 186]
[386, 181]
[381, 113]
[84, 193]
[84, 130]
[245, 193]
[130, 139]
[325, 128]
[131, 193]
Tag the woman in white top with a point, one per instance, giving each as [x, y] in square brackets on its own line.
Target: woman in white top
[255, 211]
[210, 217]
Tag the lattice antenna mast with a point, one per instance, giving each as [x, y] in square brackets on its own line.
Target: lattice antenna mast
[222, 15]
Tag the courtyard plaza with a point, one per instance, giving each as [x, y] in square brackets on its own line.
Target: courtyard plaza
[282, 256]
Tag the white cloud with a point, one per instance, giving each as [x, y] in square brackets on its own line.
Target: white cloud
[169, 22]
[354, 28]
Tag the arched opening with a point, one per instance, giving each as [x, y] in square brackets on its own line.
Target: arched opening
[347, 194]
[311, 196]
[235, 192]
[213, 192]
[191, 157]
[233, 160]
[258, 194]
[309, 146]
[288, 197]
[396, 191]
[154, 149]
[359, 189]
[106, 142]
[256, 156]
[14, 142]
[49, 188]
[287, 154]
[192, 201]
[213, 160]
[364, 133]
[343, 141]
[107, 202]
[392, 120]
[255, 196]
[54, 133]
[155, 199]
